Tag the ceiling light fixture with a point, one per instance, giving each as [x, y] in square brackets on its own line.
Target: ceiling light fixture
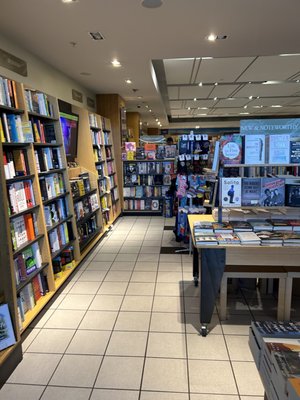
[215, 98]
[276, 106]
[203, 108]
[96, 35]
[201, 115]
[271, 82]
[129, 81]
[146, 106]
[189, 108]
[245, 106]
[156, 119]
[151, 3]
[244, 113]
[289, 55]
[140, 97]
[257, 97]
[250, 97]
[230, 98]
[116, 63]
[195, 98]
[200, 84]
[297, 81]
[250, 83]
[69, 1]
[216, 83]
[150, 110]
[207, 58]
[211, 37]
[197, 127]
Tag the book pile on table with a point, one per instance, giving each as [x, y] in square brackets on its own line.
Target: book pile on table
[275, 347]
[270, 232]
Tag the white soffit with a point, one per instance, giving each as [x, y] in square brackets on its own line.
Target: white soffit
[272, 68]
[191, 92]
[222, 69]
[178, 71]
[173, 93]
[175, 104]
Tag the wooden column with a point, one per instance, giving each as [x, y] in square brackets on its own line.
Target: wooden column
[133, 126]
[109, 106]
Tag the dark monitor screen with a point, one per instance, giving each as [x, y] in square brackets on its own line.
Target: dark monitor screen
[69, 126]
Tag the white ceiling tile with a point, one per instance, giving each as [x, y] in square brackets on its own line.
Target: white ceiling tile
[282, 89]
[268, 101]
[181, 112]
[267, 68]
[189, 92]
[175, 104]
[227, 111]
[222, 69]
[223, 91]
[232, 103]
[173, 93]
[178, 71]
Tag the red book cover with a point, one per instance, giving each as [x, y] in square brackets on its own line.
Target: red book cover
[36, 288]
[29, 226]
[28, 196]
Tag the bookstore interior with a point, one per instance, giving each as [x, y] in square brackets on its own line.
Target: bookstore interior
[150, 239]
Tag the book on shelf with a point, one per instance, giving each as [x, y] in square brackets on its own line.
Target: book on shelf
[279, 149]
[295, 223]
[280, 224]
[130, 146]
[38, 102]
[260, 225]
[18, 231]
[203, 226]
[8, 93]
[170, 151]
[270, 238]
[231, 189]
[206, 239]
[160, 152]
[7, 336]
[292, 195]
[254, 149]
[248, 238]
[251, 192]
[222, 227]
[272, 192]
[168, 167]
[29, 260]
[241, 226]
[140, 153]
[294, 149]
[227, 238]
[231, 149]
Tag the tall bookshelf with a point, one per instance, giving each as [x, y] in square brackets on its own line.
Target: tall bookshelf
[34, 186]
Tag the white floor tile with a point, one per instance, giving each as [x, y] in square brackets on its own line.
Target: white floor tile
[140, 288]
[106, 302]
[51, 341]
[211, 347]
[21, 392]
[133, 321]
[163, 396]
[104, 394]
[99, 320]
[89, 342]
[129, 344]
[65, 319]
[66, 393]
[137, 303]
[166, 345]
[113, 288]
[167, 322]
[247, 378]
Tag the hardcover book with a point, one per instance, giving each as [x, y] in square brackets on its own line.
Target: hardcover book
[231, 192]
[272, 192]
[251, 191]
[231, 149]
[254, 149]
[295, 149]
[279, 149]
[292, 195]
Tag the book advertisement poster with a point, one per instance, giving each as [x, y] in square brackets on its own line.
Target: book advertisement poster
[231, 189]
[7, 336]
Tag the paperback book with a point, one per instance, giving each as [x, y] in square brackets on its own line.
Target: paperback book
[251, 192]
[254, 149]
[231, 189]
[272, 192]
[231, 149]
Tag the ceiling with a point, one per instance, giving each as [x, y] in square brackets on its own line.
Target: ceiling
[149, 44]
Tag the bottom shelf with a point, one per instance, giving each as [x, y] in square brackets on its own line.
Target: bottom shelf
[40, 304]
[143, 212]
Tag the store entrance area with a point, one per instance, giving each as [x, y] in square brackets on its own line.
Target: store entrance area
[125, 326]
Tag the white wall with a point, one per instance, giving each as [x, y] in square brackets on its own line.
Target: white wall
[42, 76]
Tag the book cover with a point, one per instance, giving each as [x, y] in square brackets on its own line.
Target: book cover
[20, 232]
[140, 153]
[155, 205]
[248, 238]
[231, 189]
[170, 151]
[30, 262]
[150, 154]
[251, 191]
[231, 149]
[295, 149]
[130, 168]
[130, 146]
[227, 238]
[272, 192]
[130, 155]
[292, 195]
[241, 226]
[7, 336]
[160, 152]
[279, 149]
[184, 146]
[254, 152]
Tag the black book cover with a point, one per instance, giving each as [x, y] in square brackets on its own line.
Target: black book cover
[49, 130]
[292, 195]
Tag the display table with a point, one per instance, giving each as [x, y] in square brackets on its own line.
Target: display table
[209, 263]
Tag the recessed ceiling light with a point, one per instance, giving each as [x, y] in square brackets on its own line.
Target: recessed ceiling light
[129, 81]
[245, 106]
[289, 55]
[116, 63]
[146, 106]
[203, 108]
[216, 83]
[197, 126]
[207, 58]
[189, 108]
[230, 98]
[250, 97]
[96, 35]
[151, 3]
[250, 83]
[215, 98]
[276, 106]
[195, 98]
[69, 1]
[271, 82]
[257, 97]
[200, 84]
[211, 37]
[201, 114]
[158, 123]
[140, 97]
[150, 110]
[156, 119]
[256, 106]
[297, 81]
[244, 113]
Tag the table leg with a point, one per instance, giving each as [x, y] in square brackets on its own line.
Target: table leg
[196, 266]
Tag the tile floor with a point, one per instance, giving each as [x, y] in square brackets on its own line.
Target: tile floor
[125, 327]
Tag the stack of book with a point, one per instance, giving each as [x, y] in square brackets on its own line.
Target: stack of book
[249, 238]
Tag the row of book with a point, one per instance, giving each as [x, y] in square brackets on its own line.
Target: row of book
[55, 211]
[194, 147]
[275, 347]
[142, 191]
[260, 149]
[23, 229]
[15, 163]
[8, 93]
[86, 206]
[266, 192]
[51, 186]
[98, 155]
[97, 137]
[102, 184]
[114, 195]
[64, 261]
[148, 180]
[106, 137]
[87, 229]
[166, 167]
[30, 294]
[59, 237]
[80, 185]
[93, 120]
[13, 129]
[26, 262]
[150, 151]
[143, 205]
[112, 180]
[48, 158]
[38, 102]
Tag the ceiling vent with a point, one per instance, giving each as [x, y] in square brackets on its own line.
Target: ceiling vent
[96, 35]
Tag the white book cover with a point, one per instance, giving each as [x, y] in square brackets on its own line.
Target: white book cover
[20, 196]
[20, 230]
[37, 254]
[255, 149]
[231, 189]
[279, 149]
[248, 237]
[7, 336]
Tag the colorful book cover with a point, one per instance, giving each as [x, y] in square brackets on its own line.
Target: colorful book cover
[254, 149]
[231, 149]
[130, 155]
[272, 192]
[130, 146]
[295, 149]
[251, 191]
[7, 336]
[231, 189]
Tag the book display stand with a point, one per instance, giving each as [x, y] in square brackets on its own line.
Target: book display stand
[44, 235]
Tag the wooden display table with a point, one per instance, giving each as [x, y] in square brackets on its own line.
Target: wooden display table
[209, 264]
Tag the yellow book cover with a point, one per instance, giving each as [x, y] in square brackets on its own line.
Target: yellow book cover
[36, 133]
[80, 187]
[130, 155]
[2, 136]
